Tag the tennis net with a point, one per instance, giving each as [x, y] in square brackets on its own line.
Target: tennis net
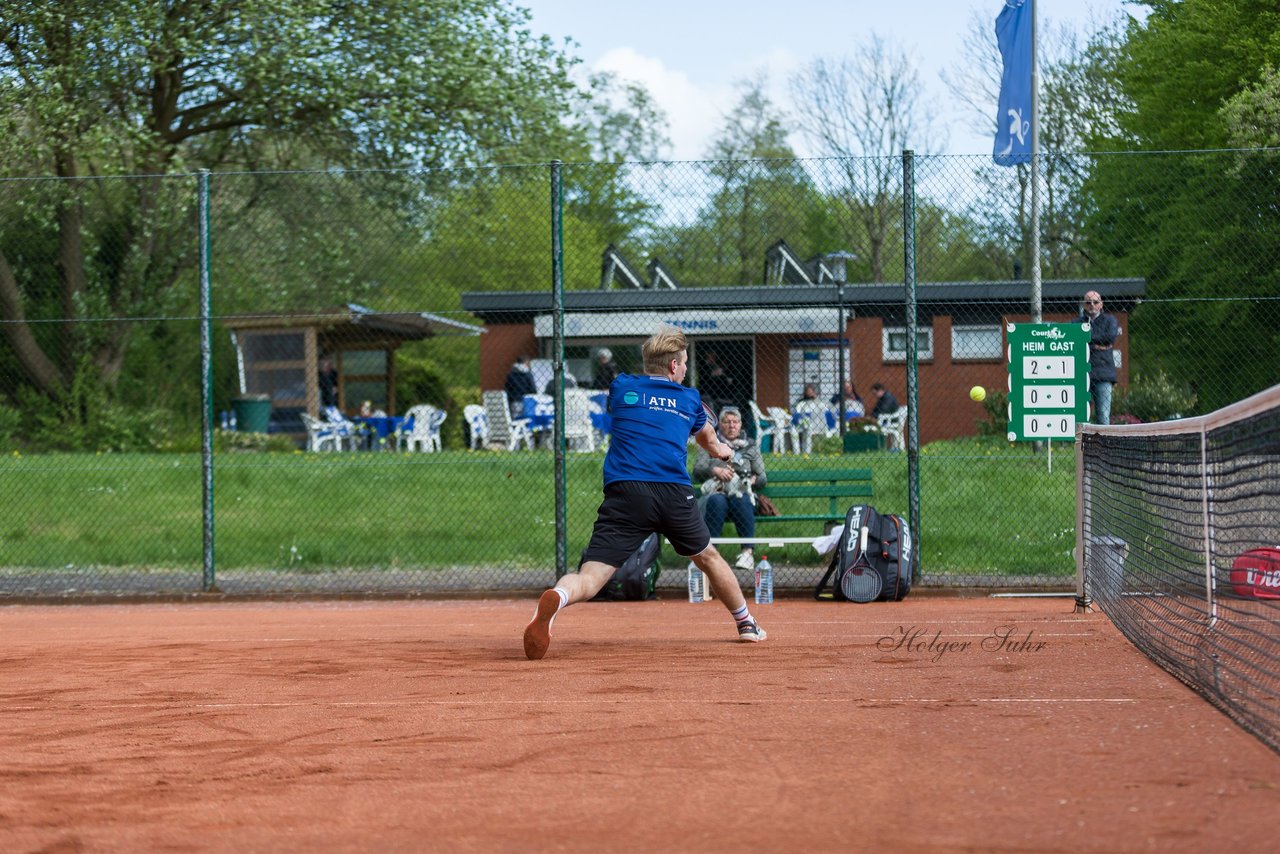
[1178, 542]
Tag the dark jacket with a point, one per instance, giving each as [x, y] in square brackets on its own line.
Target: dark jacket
[519, 383]
[886, 405]
[1105, 329]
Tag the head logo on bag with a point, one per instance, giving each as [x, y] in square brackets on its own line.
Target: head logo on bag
[874, 560]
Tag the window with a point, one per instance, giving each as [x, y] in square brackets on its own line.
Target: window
[894, 343]
[275, 364]
[977, 343]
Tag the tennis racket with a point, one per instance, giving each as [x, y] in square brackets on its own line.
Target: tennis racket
[711, 416]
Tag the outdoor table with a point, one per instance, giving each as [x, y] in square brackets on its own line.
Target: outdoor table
[379, 428]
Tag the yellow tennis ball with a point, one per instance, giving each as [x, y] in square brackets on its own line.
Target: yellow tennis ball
[978, 393]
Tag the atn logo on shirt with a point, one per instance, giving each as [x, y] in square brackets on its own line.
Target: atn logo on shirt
[631, 398]
[662, 402]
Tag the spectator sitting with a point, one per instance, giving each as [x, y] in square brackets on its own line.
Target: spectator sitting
[606, 370]
[853, 405]
[886, 403]
[810, 393]
[519, 383]
[570, 381]
[728, 488]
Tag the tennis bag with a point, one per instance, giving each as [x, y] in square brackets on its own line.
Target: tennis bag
[1256, 574]
[637, 577]
[873, 560]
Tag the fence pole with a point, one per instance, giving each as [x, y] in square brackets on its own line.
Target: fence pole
[557, 313]
[209, 582]
[913, 396]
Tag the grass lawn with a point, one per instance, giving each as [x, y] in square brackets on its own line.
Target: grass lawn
[988, 509]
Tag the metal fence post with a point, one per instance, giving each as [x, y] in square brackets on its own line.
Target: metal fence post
[913, 397]
[557, 312]
[209, 582]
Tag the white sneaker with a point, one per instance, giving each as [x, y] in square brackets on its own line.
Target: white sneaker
[750, 632]
[746, 560]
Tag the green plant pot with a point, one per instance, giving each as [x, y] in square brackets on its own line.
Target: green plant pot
[855, 443]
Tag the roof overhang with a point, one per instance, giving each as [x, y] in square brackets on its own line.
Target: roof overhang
[1059, 295]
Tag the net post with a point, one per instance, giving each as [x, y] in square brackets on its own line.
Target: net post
[1083, 602]
[1210, 583]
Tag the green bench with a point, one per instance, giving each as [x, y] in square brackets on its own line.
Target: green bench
[837, 486]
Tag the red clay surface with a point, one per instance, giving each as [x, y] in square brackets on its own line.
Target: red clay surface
[411, 726]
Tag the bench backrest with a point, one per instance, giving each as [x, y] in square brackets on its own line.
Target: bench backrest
[832, 484]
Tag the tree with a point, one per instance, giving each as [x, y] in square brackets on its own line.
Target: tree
[151, 88]
[753, 192]
[866, 109]
[1068, 110]
[1198, 224]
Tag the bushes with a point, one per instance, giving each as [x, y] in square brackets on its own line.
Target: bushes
[1154, 397]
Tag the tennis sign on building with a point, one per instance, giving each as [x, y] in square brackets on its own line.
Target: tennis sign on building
[1048, 380]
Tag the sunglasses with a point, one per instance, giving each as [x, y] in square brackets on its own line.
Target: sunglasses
[1093, 302]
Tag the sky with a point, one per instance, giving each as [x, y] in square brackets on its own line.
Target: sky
[689, 53]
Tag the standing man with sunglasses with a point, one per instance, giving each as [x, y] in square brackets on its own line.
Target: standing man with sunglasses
[1102, 361]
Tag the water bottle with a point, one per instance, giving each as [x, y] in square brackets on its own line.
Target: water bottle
[696, 582]
[764, 581]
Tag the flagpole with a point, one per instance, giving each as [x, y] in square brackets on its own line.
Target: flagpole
[1035, 169]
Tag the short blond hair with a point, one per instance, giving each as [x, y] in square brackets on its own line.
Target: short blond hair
[661, 347]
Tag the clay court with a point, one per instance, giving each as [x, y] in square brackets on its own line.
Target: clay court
[949, 724]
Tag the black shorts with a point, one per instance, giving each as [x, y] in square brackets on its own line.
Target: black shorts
[633, 509]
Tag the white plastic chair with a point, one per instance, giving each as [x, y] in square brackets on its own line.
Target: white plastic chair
[784, 431]
[764, 426]
[892, 426]
[478, 422]
[327, 436]
[503, 429]
[811, 420]
[577, 420]
[424, 433]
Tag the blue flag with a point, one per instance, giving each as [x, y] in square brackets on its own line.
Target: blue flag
[1013, 117]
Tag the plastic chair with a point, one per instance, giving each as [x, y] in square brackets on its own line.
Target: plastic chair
[424, 431]
[811, 420]
[325, 435]
[764, 426]
[478, 422]
[577, 420]
[892, 426]
[503, 429]
[784, 431]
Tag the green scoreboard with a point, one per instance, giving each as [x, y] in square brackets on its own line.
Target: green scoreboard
[1048, 380]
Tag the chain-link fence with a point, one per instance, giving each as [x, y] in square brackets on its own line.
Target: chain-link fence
[379, 354]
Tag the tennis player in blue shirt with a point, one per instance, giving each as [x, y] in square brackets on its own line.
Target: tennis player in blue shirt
[647, 489]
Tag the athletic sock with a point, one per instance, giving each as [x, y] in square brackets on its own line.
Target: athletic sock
[742, 615]
[564, 597]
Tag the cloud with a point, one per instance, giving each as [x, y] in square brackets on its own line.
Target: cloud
[695, 110]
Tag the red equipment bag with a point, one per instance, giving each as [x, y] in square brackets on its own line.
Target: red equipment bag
[1256, 574]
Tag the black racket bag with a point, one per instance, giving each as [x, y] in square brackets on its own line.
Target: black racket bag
[874, 559]
[637, 578]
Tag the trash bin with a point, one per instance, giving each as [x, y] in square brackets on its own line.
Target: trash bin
[253, 412]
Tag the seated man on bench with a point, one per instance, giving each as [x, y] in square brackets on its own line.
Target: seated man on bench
[728, 488]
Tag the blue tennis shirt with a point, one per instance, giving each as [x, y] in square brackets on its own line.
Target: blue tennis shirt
[653, 419]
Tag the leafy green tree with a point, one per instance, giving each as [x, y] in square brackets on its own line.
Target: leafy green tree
[755, 193]
[157, 89]
[1199, 224]
[866, 109]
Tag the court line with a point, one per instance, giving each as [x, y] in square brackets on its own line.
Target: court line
[629, 700]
